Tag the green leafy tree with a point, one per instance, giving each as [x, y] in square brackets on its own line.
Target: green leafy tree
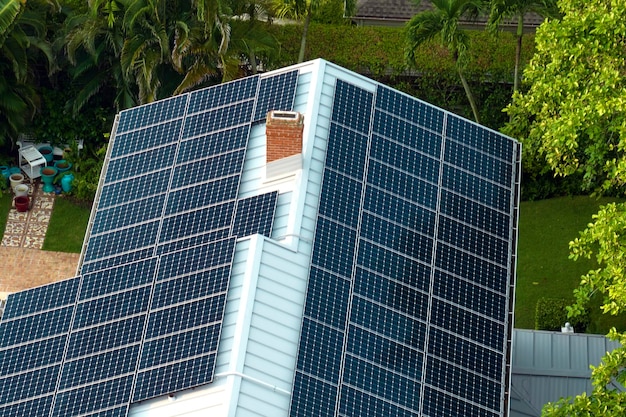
[442, 24]
[573, 119]
[517, 9]
[573, 116]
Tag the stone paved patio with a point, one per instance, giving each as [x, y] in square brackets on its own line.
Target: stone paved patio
[28, 229]
[23, 264]
[24, 268]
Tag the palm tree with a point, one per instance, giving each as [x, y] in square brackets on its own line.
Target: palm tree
[503, 9]
[23, 44]
[9, 12]
[443, 23]
[93, 42]
[303, 10]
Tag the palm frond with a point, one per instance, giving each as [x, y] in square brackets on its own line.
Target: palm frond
[9, 11]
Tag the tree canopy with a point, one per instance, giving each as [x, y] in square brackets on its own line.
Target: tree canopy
[573, 115]
[572, 119]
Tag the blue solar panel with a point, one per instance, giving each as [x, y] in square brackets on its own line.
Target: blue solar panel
[202, 171]
[219, 96]
[485, 140]
[188, 287]
[174, 377]
[338, 202]
[134, 189]
[112, 307]
[93, 397]
[213, 144]
[129, 165]
[405, 107]
[150, 137]
[32, 355]
[407, 133]
[153, 113]
[38, 407]
[28, 385]
[172, 348]
[111, 280]
[157, 264]
[197, 222]
[107, 336]
[276, 93]
[346, 151]
[211, 193]
[105, 263]
[39, 326]
[125, 215]
[407, 289]
[98, 367]
[218, 119]
[120, 241]
[41, 298]
[348, 96]
[255, 215]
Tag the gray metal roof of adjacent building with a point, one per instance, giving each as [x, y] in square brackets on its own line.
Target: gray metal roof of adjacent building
[397, 12]
[550, 365]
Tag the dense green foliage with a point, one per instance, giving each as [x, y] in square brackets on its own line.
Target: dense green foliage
[551, 314]
[378, 52]
[572, 119]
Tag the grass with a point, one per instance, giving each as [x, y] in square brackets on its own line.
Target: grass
[5, 206]
[67, 226]
[543, 269]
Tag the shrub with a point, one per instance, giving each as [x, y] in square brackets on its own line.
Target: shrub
[551, 314]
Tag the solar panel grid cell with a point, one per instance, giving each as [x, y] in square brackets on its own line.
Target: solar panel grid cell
[255, 215]
[275, 93]
[41, 298]
[33, 355]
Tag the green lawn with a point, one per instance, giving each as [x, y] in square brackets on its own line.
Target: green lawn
[67, 227]
[543, 269]
[5, 206]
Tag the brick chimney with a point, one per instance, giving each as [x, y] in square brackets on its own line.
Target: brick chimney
[283, 130]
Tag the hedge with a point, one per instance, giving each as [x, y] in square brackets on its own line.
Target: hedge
[551, 314]
[379, 51]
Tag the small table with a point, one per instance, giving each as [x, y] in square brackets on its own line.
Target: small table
[31, 161]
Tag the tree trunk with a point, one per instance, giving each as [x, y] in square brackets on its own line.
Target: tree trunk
[305, 31]
[469, 95]
[518, 51]
[251, 51]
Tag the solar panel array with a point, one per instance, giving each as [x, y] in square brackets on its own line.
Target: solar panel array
[144, 317]
[407, 308]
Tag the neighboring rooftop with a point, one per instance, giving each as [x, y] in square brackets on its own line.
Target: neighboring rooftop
[551, 365]
[398, 12]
